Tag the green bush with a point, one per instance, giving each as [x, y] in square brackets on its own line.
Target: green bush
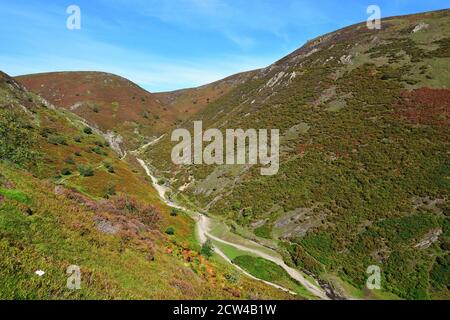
[87, 130]
[207, 249]
[57, 139]
[110, 190]
[170, 231]
[17, 138]
[98, 150]
[66, 172]
[85, 171]
[70, 160]
[108, 166]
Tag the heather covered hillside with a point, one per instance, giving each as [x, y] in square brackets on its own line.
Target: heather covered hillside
[188, 102]
[364, 175]
[128, 114]
[66, 198]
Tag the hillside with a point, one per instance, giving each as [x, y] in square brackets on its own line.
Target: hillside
[364, 174]
[67, 199]
[111, 103]
[188, 102]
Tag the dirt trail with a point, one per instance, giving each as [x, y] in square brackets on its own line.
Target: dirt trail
[203, 231]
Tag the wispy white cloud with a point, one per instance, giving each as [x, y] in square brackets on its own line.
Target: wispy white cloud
[153, 72]
[242, 41]
[169, 44]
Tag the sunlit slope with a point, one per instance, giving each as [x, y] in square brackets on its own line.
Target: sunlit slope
[364, 176]
[67, 199]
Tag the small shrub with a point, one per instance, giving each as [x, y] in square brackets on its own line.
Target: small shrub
[108, 166]
[85, 171]
[87, 130]
[46, 132]
[110, 190]
[70, 160]
[231, 278]
[56, 140]
[66, 172]
[174, 212]
[170, 231]
[98, 150]
[207, 249]
[77, 139]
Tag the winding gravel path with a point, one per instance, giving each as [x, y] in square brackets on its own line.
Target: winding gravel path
[203, 231]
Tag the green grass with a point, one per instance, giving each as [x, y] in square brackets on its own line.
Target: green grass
[270, 271]
[15, 195]
[230, 251]
[263, 232]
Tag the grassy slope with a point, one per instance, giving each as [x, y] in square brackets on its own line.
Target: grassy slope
[364, 163]
[46, 227]
[108, 101]
[188, 102]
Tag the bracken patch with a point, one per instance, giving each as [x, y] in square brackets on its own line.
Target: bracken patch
[425, 106]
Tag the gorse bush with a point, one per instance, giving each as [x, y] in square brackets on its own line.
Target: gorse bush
[170, 231]
[66, 172]
[85, 171]
[108, 166]
[57, 139]
[17, 137]
[207, 249]
[110, 190]
[87, 130]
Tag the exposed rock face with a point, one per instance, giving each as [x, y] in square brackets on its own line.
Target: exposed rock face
[429, 239]
[420, 26]
[106, 227]
[115, 141]
[273, 81]
[346, 59]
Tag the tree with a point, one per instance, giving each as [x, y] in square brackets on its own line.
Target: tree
[207, 249]
[86, 171]
[170, 231]
[87, 130]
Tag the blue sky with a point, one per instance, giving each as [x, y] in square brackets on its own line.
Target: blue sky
[172, 44]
